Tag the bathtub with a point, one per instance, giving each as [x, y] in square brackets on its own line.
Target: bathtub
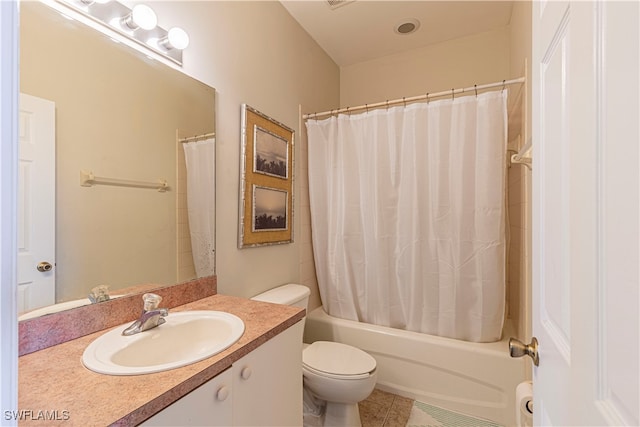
[477, 379]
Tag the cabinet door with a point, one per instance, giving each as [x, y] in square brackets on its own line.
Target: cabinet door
[267, 383]
[209, 405]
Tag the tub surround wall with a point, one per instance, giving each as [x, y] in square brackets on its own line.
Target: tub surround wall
[45, 331]
[186, 267]
[96, 399]
[519, 274]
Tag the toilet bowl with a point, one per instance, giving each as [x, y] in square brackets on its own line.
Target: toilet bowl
[335, 376]
[340, 375]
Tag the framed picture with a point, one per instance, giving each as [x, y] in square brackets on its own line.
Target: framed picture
[266, 181]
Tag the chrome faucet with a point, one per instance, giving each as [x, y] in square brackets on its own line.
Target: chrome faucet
[151, 316]
[99, 294]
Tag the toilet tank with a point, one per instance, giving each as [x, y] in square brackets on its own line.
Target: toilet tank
[291, 294]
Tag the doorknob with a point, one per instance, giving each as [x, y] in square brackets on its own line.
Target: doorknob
[44, 266]
[518, 349]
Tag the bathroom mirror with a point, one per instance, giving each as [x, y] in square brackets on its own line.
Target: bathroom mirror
[120, 115]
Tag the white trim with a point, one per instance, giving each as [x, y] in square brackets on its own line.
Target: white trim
[600, 169]
[8, 186]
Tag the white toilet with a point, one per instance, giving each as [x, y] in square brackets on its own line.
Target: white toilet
[337, 375]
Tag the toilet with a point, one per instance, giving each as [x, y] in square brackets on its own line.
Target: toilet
[335, 376]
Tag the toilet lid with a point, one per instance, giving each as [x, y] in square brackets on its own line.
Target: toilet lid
[337, 359]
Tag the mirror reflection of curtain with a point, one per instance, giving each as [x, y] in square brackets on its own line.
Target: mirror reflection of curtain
[201, 203]
[408, 215]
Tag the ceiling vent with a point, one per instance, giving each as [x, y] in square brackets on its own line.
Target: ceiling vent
[407, 26]
[334, 4]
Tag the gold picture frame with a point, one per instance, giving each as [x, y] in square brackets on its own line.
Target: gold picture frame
[266, 181]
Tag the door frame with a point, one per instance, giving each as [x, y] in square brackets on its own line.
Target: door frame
[9, 87]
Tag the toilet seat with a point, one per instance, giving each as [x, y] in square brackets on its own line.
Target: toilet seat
[307, 369]
[336, 360]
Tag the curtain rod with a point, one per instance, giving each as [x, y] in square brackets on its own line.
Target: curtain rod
[451, 92]
[197, 137]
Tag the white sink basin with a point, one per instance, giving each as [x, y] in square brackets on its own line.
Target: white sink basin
[186, 337]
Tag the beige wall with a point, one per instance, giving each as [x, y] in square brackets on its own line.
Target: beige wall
[463, 62]
[254, 53]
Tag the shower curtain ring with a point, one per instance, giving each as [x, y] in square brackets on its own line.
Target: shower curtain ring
[366, 107]
[404, 102]
[452, 94]
[475, 87]
[428, 98]
[503, 85]
[387, 104]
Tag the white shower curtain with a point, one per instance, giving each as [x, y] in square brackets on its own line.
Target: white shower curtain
[408, 215]
[201, 203]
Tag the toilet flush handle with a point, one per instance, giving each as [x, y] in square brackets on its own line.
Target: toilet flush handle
[519, 349]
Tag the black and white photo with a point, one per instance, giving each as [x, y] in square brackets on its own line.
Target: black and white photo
[270, 153]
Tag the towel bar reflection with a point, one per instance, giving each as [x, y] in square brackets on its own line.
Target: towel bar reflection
[523, 156]
[88, 179]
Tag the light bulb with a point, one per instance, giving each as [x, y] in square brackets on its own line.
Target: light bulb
[141, 16]
[144, 17]
[178, 38]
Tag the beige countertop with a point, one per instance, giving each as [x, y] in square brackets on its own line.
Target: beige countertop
[54, 387]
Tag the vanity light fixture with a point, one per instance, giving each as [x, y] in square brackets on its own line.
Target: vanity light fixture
[136, 27]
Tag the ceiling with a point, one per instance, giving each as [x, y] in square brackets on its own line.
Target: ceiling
[362, 30]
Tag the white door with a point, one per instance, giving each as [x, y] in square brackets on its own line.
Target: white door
[586, 192]
[36, 203]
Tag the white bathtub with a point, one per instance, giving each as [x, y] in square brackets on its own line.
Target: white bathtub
[472, 378]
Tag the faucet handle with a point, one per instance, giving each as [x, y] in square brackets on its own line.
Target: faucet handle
[151, 301]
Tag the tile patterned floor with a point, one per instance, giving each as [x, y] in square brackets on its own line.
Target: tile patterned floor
[383, 409]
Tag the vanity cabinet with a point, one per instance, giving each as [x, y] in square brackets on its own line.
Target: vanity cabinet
[211, 404]
[263, 388]
[267, 383]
